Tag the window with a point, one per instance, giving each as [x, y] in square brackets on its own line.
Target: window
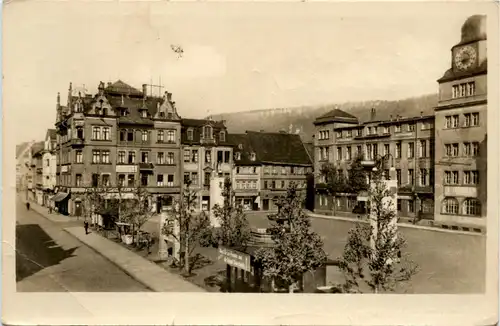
[471, 119]
[348, 154]
[222, 136]
[171, 136]
[411, 150]
[397, 128]
[131, 157]
[471, 177]
[121, 180]
[273, 184]
[398, 176]
[159, 180]
[424, 177]
[455, 91]
[265, 185]
[386, 149]
[451, 121]
[399, 205]
[451, 150]
[95, 156]
[207, 132]
[170, 180]
[130, 135]
[411, 176]
[398, 150]
[282, 184]
[187, 155]
[451, 177]
[95, 180]
[411, 206]
[450, 206]
[161, 136]
[105, 180]
[144, 113]
[144, 135]
[411, 127]
[425, 126]
[324, 134]
[96, 133]
[349, 133]
[339, 153]
[105, 133]
[78, 180]
[358, 150]
[144, 179]
[170, 158]
[471, 88]
[358, 132]
[144, 157]
[190, 134]
[121, 157]
[386, 130]
[463, 90]
[131, 180]
[323, 153]
[237, 156]
[339, 134]
[194, 156]
[160, 158]
[187, 177]
[220, 156]
[207, 178]
[283, 170]
[105, 157]
[194, 178]
[423, 149]
[472, 206]
[79, 157]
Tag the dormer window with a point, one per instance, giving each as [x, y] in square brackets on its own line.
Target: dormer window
[190, 134]
[252, 156]
[144, 113]
[238, 156]
[104, 111]
[162, 115]
[207, 132]
[222, 137]
[240, 146]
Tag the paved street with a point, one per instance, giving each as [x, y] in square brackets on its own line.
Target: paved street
[449, 263]
[48, 259]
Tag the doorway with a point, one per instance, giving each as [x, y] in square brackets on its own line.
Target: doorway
[265, 204]
[78, 208]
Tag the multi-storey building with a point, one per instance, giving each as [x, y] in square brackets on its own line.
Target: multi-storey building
[265, 164]
[49, 166]
[37, 151]
[405, 144]
[117, 139]
[207, 153]
[23, 168]
[461, 114]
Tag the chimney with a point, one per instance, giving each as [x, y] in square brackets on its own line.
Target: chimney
[58, 100]
[169, 96]
[373, 114]
[144, 90]
[421, 114]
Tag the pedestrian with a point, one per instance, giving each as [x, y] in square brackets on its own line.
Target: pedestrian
[28, 206]
[50, 209]
[86, 226]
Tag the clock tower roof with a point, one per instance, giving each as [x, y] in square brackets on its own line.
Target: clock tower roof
[474, 29]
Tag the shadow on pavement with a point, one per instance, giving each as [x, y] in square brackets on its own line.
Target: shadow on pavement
[36, 250]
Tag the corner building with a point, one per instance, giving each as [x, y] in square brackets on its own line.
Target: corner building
[119, 137]
[461, 122]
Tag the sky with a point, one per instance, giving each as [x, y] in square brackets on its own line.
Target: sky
[237, 57]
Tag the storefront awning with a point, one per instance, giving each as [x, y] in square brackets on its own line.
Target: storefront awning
[59, 196]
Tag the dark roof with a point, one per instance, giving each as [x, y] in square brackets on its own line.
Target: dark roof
[451, 74]
[37, 147]
[336, 115]
[197, 126]
[282, 148]
[119, 87]
[51, 133]
[310, 150]
[241, 143]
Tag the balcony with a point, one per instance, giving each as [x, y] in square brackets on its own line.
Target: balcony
[77, 142]
[146, 167]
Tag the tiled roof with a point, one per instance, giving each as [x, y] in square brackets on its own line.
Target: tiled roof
[37, 147]
[242, 145]
[120, 87]
[278, 148]
[336, 115]
[134, 105]
[310, 149]
[197, 126]
[450, 74]
[201, 123]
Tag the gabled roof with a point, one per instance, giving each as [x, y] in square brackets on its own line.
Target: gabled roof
[201, 123]
[450, 74]
[120, 87]
[241, 143]
[279, 148]
[37, 148]
[22, 148]
[336, 115]
[197, 126]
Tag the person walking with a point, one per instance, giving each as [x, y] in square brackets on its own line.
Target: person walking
[86, 226]
[28, 206]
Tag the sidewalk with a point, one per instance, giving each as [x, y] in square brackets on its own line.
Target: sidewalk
[54, 217]
[141, 269]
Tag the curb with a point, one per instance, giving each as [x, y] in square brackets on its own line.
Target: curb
[444, 227]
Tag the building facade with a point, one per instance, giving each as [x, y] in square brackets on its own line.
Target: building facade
[24, 175]
[406, 144]
[265, 165]
[207, 154]
[49, 165]
[37, 151]
[115, 141]
[461, 115]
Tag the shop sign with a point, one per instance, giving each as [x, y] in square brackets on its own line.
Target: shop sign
[235, 258]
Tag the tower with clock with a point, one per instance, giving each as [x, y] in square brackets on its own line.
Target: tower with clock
[460, 131]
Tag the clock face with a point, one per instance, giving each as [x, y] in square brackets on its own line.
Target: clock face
[465, 57]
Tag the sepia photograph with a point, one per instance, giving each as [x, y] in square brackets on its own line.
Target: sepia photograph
[226, 150]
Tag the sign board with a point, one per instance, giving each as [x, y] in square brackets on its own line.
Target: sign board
[235, 258]
[126, 168]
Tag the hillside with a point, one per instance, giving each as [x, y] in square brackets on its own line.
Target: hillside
[300, 119]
